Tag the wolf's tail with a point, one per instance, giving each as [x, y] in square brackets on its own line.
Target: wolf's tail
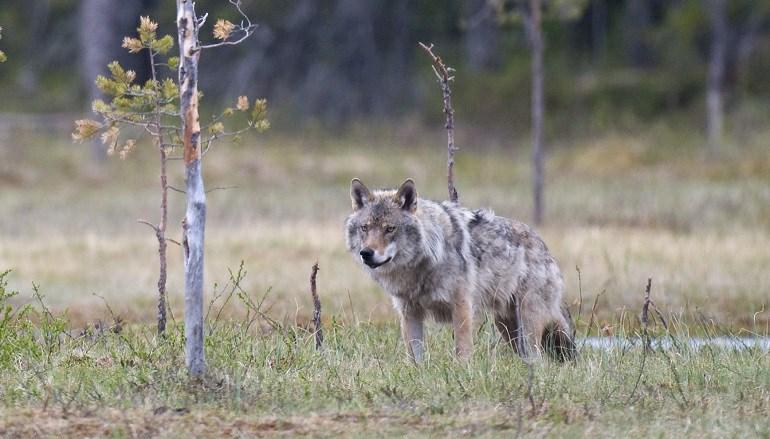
[559, 339]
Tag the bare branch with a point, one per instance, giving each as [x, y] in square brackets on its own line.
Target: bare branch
[319, 334]
[174, 241]
[221, 188]
[149, 224]
[247, 29]
[646, 335]
[442, 72]
[247, 33]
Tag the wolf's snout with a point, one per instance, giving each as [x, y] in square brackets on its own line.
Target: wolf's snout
[370, 259]
[367, 254]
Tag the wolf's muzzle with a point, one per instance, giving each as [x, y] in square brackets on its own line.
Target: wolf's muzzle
[367, 256]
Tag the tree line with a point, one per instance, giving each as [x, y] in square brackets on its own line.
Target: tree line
[342, 60]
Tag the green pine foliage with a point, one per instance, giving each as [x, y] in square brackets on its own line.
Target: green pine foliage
[153, 107]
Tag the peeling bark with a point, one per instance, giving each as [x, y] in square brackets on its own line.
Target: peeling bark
[195, 217]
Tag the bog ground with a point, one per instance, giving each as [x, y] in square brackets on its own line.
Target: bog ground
[622, 207]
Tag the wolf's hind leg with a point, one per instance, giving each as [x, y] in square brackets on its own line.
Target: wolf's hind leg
[462, 323]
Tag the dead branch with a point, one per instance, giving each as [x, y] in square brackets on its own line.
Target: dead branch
[443, 74]
[319, 335]
[246, 27]
[148, 224]
[645, 315]
[221, 188]
[646, 335]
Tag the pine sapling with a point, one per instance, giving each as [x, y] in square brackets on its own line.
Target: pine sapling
[134, 111]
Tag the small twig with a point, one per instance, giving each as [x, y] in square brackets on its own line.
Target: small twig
[221, 188]
[443, 73]
[645, 315]
[319, 335]
[175, 189]
[149, 224]
[247, 28]
[646, 349]
[174, 241]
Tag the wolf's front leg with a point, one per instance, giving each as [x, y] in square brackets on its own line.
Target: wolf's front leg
[412, 331]
[462, 323]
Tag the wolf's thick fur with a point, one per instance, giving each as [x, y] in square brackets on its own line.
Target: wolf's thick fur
[446, 261]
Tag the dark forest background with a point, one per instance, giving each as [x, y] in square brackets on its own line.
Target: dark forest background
[608, 63]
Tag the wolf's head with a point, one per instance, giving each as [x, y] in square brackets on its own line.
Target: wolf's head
[383, 231]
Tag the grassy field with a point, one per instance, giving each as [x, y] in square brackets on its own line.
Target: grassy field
[621, 207]
[268, 379]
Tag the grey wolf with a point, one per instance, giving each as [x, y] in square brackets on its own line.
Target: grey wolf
[448, 262]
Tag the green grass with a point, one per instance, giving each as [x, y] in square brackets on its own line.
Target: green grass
[267, 378]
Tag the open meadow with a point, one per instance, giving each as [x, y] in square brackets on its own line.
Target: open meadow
[621, 207]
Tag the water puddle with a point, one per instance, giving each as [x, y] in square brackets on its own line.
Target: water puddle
[722, 342]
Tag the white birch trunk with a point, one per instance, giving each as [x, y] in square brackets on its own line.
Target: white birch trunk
[195, 217]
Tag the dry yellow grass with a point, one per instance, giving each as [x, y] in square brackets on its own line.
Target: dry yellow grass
[618, 214]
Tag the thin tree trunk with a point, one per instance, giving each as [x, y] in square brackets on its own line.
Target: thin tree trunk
[716, 72]
[538, 104]
[160, 231]
[195, 217]
[162, 242]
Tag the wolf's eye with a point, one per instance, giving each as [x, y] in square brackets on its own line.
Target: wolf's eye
[364, 228]
[390, 229]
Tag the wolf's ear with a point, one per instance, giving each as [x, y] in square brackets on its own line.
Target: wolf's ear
[359, 194]
[406, 196]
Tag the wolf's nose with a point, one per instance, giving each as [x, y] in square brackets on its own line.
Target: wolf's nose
[366, 254]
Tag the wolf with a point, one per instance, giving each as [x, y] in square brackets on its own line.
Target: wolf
[447, 262]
